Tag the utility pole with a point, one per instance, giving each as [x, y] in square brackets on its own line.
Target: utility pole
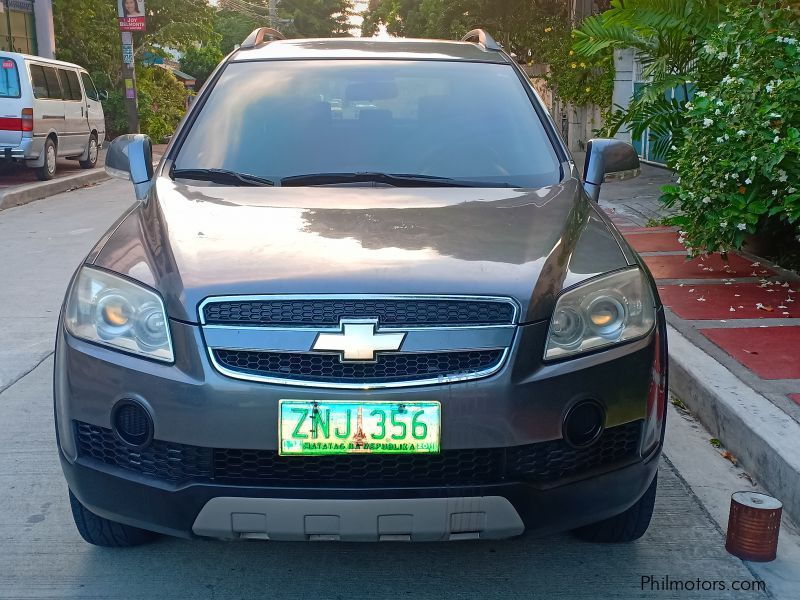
[273, 13]
[129, 79]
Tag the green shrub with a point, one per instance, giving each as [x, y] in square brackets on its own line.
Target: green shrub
[738, 156]
[162, 101]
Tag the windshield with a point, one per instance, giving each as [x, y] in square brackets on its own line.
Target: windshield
[283, 119]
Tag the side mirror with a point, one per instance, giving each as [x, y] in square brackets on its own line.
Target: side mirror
[608, 160]
[103, 95]
[131, 157]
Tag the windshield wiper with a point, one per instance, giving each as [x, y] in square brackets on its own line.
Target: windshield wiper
[221, 176]
[393, 179]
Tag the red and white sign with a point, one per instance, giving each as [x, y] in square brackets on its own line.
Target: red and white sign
[131, 15]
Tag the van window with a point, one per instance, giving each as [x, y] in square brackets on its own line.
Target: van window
[88, 84]
[45, 82]
[53, 85]
[9, 78]
[38, 81]
[70, 85]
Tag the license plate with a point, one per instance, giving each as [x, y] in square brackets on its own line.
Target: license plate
[323, 428]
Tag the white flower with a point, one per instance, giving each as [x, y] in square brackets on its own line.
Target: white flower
[774, 192]
[722, 55]
[777, 139]
[718, 112]
[720, 140]
[782, 176]
[673, 147]
[727, 137]
[704, 158]
[720, 103]
[735, 175]
[742, 226]
[791, 190]
[735, 65]
[689, 106]
[707, 200]
[769, 87]
[754, 158]
[723, 224]
[748, 181]
[702, 94]
[741, 133]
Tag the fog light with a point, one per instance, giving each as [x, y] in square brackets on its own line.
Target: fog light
[584, 424]
[132, 423]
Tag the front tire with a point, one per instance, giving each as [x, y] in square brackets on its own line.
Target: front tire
[626, 527]
[48, 170]
[92, 154]
[102, 532]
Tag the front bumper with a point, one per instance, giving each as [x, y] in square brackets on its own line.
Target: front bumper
[192, 404]
[137, 501]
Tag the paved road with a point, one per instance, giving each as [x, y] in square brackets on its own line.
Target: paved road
[41, 555]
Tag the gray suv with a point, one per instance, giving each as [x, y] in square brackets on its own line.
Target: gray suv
[365, 296]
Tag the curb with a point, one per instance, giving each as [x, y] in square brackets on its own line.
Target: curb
[23, 194]
[764, 439]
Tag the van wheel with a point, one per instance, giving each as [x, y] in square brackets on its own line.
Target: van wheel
[102, 532]
[48, 169]
[94, 151]
[627, 527]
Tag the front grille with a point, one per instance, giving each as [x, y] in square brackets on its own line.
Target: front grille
[324, 312]
[387, 368]
[162, 460]
[541, 463]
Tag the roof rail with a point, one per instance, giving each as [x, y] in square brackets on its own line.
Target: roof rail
[257, 37]
[479, 36]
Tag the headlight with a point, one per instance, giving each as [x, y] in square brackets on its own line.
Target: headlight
[115, 312]
[606, 311]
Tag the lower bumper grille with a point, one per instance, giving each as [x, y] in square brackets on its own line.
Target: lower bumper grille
[180, 463]
[387, 368]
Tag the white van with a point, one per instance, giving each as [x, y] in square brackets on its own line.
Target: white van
[48, 108]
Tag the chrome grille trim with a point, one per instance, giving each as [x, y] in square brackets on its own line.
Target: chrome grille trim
[419, 339]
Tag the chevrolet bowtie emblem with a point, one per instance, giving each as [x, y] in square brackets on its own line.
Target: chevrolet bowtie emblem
[358, 341]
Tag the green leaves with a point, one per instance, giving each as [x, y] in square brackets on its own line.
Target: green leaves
[739, 161]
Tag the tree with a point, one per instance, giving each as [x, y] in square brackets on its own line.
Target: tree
[162, 101]
[317, 18]
[87, 32]
[233, 27]
[667, 36]
[518, 24]
[200, 61]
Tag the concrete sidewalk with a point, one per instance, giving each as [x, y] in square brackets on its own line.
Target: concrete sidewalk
[735, 330]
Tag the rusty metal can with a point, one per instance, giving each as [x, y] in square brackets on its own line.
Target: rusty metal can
[753, 526]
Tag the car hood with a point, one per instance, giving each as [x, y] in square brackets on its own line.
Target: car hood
[192, 242]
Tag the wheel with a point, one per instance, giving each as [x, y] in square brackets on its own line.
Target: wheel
[94, 150]
[48, 169]
[102, 532]
[626, 527]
